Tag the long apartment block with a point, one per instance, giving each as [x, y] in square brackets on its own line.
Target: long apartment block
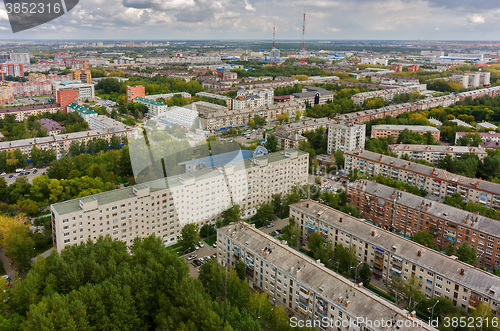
[223, 119]
[304, 287]
[437, 182]
[162, 207]
[391, 255]
[407, 214]
[434, 153]
[60, 143]
[22, 113]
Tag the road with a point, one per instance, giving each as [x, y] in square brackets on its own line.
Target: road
[6, 265]
[202, 252]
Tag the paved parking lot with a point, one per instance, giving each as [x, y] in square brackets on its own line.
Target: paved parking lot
[202, 252]
[30, 176]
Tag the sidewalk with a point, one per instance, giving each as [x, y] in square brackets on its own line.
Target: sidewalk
[6, 265]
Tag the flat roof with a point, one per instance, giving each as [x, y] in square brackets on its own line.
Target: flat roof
[148, 101]
[81, 109]
[477, 279]
[162, 183]
[402, 127]
[29, 108]
[436, 148]
[315, 277]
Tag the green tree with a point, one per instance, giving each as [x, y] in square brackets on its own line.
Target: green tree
[412, 291]
[259, 121]
[264, 214]
[424, 238]
[365, 274]
[339, 158]
[271, 143]
[19, 246]
[190, 236]
[466, 253]
[291, 233]
[240, 269]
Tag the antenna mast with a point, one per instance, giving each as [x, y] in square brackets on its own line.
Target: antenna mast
[274, 34]
[303, 46]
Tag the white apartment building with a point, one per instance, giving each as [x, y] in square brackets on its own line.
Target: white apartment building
[85, 91]
[61, 142]
[162, 207]
[390, 255]
[473, 79]
[23, 58]
[253, 98]
[486, 125]
[154, 107]
[434, 153]
[346, 137]
[389, 94]
[182, 116]
[305, 288]
[103, 122]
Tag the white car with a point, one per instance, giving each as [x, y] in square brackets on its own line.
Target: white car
[196, 247]
[3, 174]
[214, 245]
[201, 244]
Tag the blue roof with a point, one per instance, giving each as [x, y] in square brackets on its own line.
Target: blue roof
[221, 159]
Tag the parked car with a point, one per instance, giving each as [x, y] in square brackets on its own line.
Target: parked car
[192, 256]
[201, 260]
[214, 245]
[27, 173]
[197, 263]
[275, 232]
[3, 174]
[201, 244]
[11, 176]
[344, 184]
[196, 247]
[270, 225]
[280, 231]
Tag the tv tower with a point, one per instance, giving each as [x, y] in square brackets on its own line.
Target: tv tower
[275, 53]
[302, 58]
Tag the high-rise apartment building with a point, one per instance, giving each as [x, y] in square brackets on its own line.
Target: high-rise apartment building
[6, 93]
[23, 58]
[134, 92]
[65, 97]
[346, 137]
[85, 91]
[305, 288]
[162, 207]
[12, 69]
[84, 76]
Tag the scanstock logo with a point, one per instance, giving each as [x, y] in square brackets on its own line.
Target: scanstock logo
[24, 15]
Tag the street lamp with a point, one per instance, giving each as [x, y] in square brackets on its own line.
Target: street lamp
[432, 310]
[356, 273]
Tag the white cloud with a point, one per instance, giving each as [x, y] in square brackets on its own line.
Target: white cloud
[333, 29]
[248, 6]
[476, 19]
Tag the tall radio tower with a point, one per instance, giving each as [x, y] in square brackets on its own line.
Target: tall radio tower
[275, 53]
[302, 54]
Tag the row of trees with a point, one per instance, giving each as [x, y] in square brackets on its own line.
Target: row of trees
[101, 286]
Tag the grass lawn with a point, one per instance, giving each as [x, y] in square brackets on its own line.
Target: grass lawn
[40, 250]
[382, 294]
[253, 142]
[173, 247]
[210, 241]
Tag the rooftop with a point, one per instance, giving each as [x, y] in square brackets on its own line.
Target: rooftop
[81, 109]
[437, 148]
[403, 127]
[162, 183]
[50, 124]
[477, 279]
[28, 108]
[313, 276]
[148, 101]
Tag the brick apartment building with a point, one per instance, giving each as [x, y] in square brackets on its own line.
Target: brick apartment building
[437, 182]
[65, 97]
[134, 92]
[391, 255]
[386, 130]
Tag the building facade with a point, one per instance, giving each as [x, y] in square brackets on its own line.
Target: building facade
[386, 130]
[388, 95]
[183, 116]
[66, 97]
[6, 92]
[437, 182]
[85, 113]
[346, 137]
[85, 91]
[305, 288]
[391, 255]
[84, 76]
[154, 107]
[22, 113]
[164, 206]
[135, 91]
[434, 153]
[313, 95]
[12, 69]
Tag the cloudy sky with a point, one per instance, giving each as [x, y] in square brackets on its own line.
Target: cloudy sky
[253, 19]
